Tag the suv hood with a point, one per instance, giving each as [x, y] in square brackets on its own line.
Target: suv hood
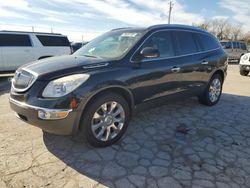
[68, 62]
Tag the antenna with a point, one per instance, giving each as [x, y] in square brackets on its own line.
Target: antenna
[171, 5]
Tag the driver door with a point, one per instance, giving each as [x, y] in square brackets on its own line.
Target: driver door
[157, 77]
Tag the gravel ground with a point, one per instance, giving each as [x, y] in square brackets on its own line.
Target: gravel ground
[183, 144]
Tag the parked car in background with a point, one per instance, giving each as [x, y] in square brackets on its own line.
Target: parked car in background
[234, 49]
[94, 91]
[77, 45]
[245, 64]
[19, 48]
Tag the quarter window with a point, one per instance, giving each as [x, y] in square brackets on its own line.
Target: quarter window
[53, 40]
[186, 42]
[14, 40]
[208, 42]
[163, 42]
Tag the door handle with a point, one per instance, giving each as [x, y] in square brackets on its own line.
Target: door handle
[176, 69]
[204, 63]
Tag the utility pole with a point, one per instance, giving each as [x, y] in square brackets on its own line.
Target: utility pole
[171, 4]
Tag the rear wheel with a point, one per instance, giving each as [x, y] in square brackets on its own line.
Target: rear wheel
[213, 91]
[105, 120]
[244, 72]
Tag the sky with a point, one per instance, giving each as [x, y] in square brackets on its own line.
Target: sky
[85, 19]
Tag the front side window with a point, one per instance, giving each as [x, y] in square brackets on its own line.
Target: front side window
[162, 41]
[226, 45]
[53, 40]
[111, 45]
[14, 40]
[186, 42]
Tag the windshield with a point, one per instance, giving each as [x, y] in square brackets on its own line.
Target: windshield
[111, 45]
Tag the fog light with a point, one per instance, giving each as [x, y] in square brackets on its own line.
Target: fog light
[52, 115]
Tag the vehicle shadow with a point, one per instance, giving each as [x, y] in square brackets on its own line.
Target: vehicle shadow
[5, 85]
[170, 140]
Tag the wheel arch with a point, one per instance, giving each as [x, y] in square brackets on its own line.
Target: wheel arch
[220, 72]
[121, 90]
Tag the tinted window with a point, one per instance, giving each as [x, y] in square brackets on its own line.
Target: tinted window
[14, 40]
[226, 45]
[243, 46]
[53, 40]
[235, 45]
[186, 42]
[163, 42]
[208, 42]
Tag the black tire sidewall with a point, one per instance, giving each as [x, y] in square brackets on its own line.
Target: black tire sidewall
[244, 72]
[85, 124]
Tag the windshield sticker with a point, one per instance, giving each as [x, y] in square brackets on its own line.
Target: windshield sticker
[129, 34]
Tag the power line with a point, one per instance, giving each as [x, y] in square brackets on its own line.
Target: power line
[171, 5]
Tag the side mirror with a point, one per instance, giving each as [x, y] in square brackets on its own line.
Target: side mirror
[150, 52]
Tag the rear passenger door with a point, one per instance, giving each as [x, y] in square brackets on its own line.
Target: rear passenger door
[194, 64]
[17, 50]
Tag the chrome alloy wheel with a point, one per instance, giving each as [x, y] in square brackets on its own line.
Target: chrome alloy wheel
[215, 90]
[108, 121]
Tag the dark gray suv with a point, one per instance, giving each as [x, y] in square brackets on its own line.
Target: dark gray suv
[94, 91]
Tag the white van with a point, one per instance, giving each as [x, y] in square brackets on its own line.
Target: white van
[19, 48]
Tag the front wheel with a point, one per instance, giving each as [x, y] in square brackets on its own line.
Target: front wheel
[213, 91]
[244, 72]
[105, 120]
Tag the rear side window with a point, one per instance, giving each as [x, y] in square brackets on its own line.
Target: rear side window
[163, 42]
[14, 40]
[207, 42]
[53, 40]
[186, 42]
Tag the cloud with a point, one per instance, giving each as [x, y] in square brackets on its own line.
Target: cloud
[240, 10]
[53, 19]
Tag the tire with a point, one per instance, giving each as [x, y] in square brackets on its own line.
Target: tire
[94, 118]
[206, 98]
[244, 72]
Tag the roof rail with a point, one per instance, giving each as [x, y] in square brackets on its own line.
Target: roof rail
[30, 32]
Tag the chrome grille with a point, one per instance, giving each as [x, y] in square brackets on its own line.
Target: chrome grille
[23, 80]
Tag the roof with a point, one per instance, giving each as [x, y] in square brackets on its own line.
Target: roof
[25, 32]
[162, 26]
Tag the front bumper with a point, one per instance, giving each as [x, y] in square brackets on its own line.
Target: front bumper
[29, 114]
[245, 67]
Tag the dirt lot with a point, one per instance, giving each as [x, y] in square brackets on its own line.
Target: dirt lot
[214, 152]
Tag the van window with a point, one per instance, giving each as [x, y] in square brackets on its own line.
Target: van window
[186, 42]
[235, 45]
[14, 40]
[163, 42]
[243, 46]
[53, 40]
[226, 45]
[207, 42]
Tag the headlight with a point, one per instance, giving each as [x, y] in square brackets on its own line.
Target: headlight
[245, 57]
[63, 86]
